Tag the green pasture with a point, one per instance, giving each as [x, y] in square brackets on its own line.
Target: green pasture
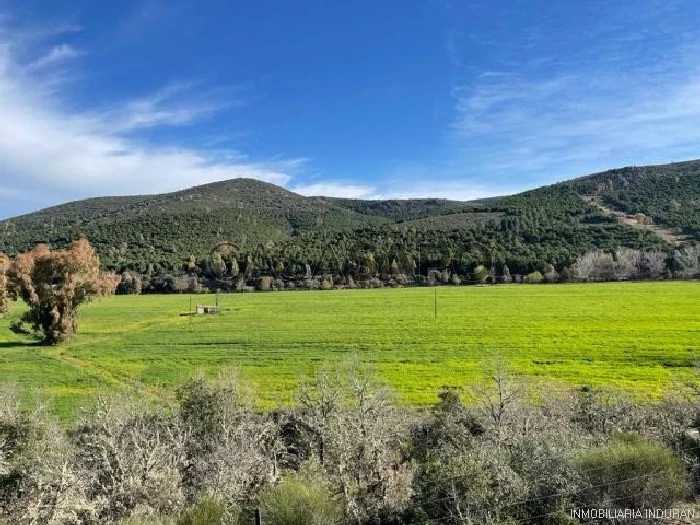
[639, 337]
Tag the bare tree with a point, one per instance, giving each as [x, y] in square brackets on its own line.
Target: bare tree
[40, 485]
[358, 432]
[550, 273]
[627, 263]
[594, 266]
[180, 283]
[232, 453]
[506, 277]
[131, 284]
[54, 491]
[653, 264]
[688, 262]
[499, 398]
[131, 458]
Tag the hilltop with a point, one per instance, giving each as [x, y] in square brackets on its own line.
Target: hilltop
[276, 231]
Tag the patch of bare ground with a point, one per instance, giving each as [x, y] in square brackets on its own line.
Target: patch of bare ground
[669, 235]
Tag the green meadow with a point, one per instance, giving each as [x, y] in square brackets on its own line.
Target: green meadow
[639, 337]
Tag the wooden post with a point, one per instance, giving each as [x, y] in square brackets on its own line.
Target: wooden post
[258, 520]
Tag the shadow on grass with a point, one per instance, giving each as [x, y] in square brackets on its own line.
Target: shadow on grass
[221, 311]
[20, 344]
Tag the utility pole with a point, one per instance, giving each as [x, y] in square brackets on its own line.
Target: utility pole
[420, 281]
[258, 520]
[435, 305]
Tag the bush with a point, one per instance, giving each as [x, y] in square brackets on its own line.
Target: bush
[311, 284]
[374, 282]
[150, 520]
[480, 485]
[299, 500]
[481, 273]
[265, 283]
[402, 279]
[548, 496]
[209, 511]
[534, 278]
[630, 473]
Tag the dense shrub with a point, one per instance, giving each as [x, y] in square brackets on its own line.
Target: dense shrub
[150, 520]
[345, 454]
[299, 500]
[206, 511]
[534, 278]
[209, 511]
[630, 473]
[479, 487]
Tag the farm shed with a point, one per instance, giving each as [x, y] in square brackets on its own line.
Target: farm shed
[203, 309]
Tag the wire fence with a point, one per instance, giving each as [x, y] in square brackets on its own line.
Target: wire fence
[470, 514]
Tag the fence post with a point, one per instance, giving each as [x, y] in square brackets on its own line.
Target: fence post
[258, 521]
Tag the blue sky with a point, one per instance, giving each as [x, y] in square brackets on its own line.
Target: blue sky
[371, 99]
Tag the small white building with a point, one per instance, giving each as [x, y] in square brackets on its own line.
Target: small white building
[203, 309]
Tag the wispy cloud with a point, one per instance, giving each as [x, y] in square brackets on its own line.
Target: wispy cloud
[625, 89]
[147, 14]
[577, 120]
[56, 55]
[57, 153]
[173, 105]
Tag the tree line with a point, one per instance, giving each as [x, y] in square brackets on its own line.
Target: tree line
[222, 271]
[54, 283]
[346, 453]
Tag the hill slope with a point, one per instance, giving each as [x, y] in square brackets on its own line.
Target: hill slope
[277, 231]
[669, 193]
[241, 211]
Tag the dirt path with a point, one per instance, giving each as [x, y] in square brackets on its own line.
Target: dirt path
[667, 234]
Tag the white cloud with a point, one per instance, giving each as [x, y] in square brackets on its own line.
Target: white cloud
[334, 189]
[408, 187]
[61, 154]
[456, 190]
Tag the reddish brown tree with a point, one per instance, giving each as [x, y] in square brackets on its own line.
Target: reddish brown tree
[4, 296]
[55, 283]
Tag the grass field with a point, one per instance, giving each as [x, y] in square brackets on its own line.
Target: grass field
[634, 336]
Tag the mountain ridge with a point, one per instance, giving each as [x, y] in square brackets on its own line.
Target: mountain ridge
[547, 225]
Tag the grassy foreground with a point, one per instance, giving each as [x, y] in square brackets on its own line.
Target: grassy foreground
[640, 337]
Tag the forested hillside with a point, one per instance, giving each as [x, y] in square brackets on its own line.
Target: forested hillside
[273, 232]
[669, 194]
